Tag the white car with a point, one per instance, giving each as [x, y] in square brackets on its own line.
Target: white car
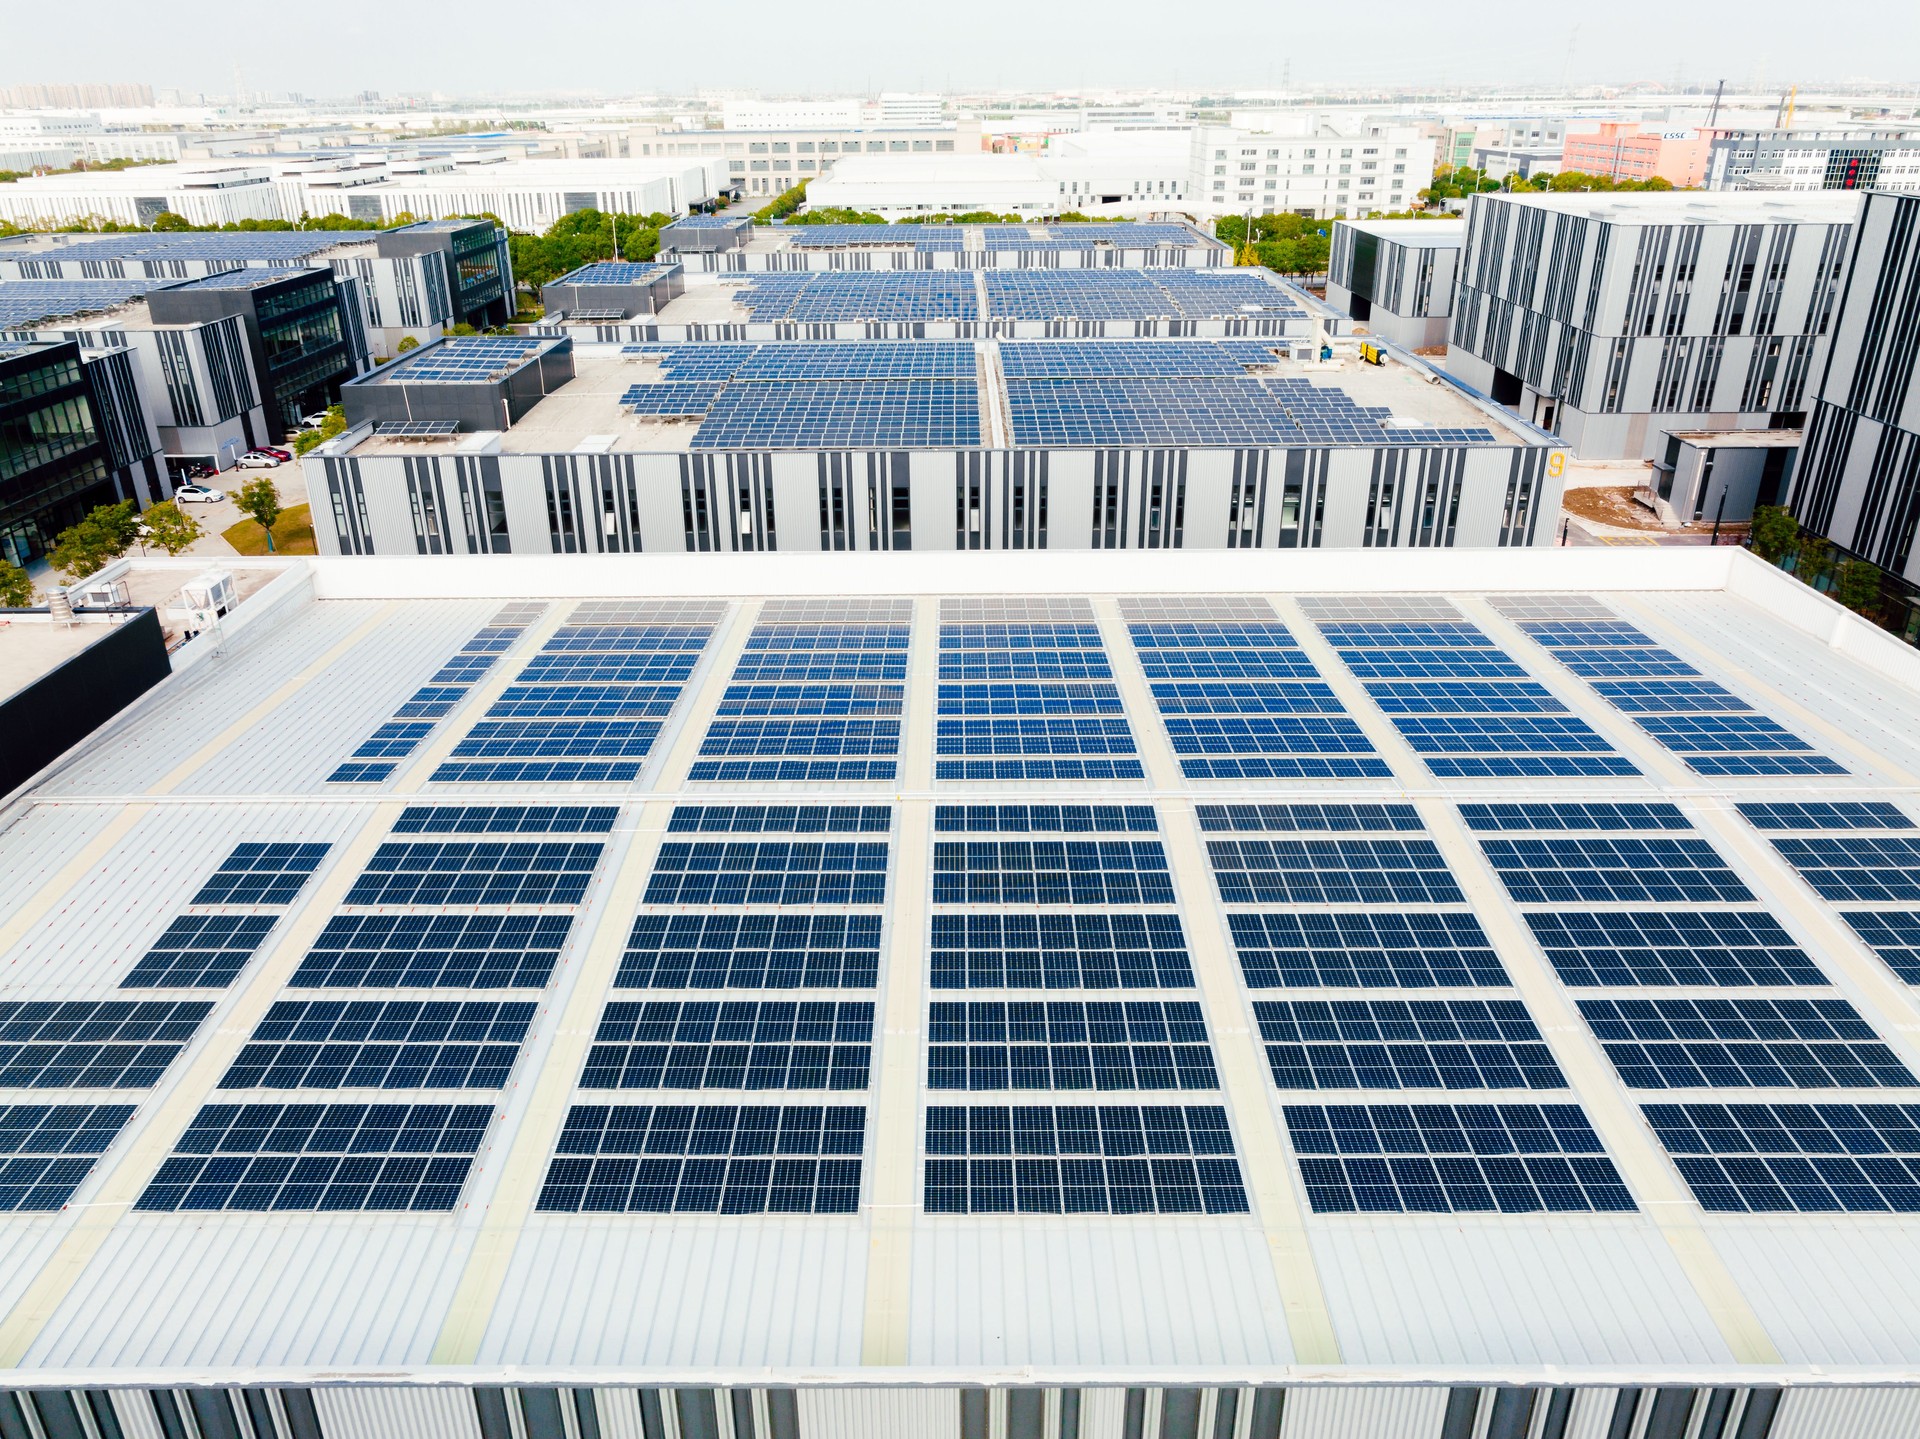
[313, 421]
[256, 460]
[198, 495]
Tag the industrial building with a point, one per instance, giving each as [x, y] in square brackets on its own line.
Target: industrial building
[1796, 160]
[939, 410]
[856, 996]
[1397, 277]
[1613, 319]
[720, 243]
[1859, 479]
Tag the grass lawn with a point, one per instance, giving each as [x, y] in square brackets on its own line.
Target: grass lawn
[292, 534]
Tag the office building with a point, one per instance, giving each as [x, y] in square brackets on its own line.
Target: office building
[1858, 482]
[202, 193]
[1792, 160]
[755, 114]
[1614, 319]
[72, 436]
[897, 108]
[896, 995]
[972, 416]
[762, 163]
[1309, 166]
[413, 281]
[1396, 277]
[931, 246]
[1623, 151]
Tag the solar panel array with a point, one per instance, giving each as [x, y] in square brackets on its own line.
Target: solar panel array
[463, 360]
[1026, 699]
[1241, 700]
[833, 725]
[1463, 705]
[1116, 294]
[1715, 731]
[379, 755]
[1862, 859]
[229, 917]
[589, 705]
[26, 303]
[817, 414]
[819, 297]
[950, 238]
[614, 272]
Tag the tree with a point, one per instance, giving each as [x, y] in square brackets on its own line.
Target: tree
[16, 590]
[335, 422]
[167, 220]
[91, 545]
[261, 500]
[1815, 556]
[1775, 531]
[170, 527]
[462, 329]
[1856, 584]
[407, 342]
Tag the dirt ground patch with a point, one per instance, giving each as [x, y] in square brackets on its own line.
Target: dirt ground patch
[1614, 505]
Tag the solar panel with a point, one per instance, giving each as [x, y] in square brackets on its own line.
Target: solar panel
[27, 303]
[1858, 868]
[93, 1044]
[1341, 871]
[442, 951]
[200, 951]
[1059, 951]
[807, 414]
[1825, 814]
[714, 1159]
[769, 872]
[1044, 818]
[262, 873]
[424, 873]
[751, 951]
[1405, 1044]
[614, 272]
[1742, 1043]
[1614, 871]
[1081, 1159]
[416, 429]
[733, 1044]
[668, 397]
[1894, 936]
[859, 360]
[507, 819]
[1783, 1158]
[1363, 951]
[49, 1149]
[1307, 818]
[780, 818]
[1012, 705]
[382, 1044]
[463, 360]
[320, 1157]
[1112, 872]
[1723, 948]
[1574, 816]
[1453, 1159]
[1069, 1044]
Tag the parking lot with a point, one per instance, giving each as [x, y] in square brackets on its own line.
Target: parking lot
[217, 518]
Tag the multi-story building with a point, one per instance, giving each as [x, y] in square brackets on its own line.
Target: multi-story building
[1397, 277]
[73, 435]
[202, 193]
[761, 163]
[77, 97]
[745, 114]
[1624, 151]
[1313, 170]
[898, 109]
[1858, 482]
[1774, 160]
[1612, 319]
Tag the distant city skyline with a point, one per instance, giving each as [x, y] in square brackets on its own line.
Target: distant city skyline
[869, 46]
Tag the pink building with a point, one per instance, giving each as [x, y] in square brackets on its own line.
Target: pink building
[1626, 151]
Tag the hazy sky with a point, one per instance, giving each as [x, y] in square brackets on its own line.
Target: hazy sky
[509, 45]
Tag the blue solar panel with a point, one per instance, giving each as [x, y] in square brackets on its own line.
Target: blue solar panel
[1015, 730]
[1574, 816]
[1893, 935]
[714, 1159]
[752, 951]
[1439, 697]
[836, 296]
[1069, 1044]
[258, 873]
[46, 1150]
[1724, 948]
[780, 818]
[1363, 951]
[1307, 818]
[1079, 1159]
[1111, 872]
[25, 303]
[732, 1044]
[462, 360]
[200, 951]
[1044, 819]
[1782, 1158]
[475, 873]
[1614, 871]
[1819, 814]
[1405, 1044]
[769, 872]
[807, 414]
[859, 360]
[441, 951]
[764, 732]
[670, 398]
[320, 1157]
[1860, 868]
[382, 1044]
[1453, 1159]
[1338, 871]
[1059, 951]
[1742, 1043]
[1055, 359]
[614, 272]
[92, 1044]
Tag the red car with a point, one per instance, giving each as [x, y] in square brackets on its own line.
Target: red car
[281, 455]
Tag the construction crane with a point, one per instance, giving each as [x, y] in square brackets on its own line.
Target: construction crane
[1714, 113]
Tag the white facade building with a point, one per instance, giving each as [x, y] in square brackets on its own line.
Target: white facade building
[896, 108]
[1311, 169]
[1105, 174]
[790, 114]
[1397, 277]
[205, 194]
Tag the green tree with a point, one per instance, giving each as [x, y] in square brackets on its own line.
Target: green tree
[407, 342]
[1814, 559]
[1775, 531]
[462, 329]
[16, 590]
[167, 220]
[335, 422]
[782, 205]
[1856, 584]
[96, 541]
[261, 499]
[170, 527]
